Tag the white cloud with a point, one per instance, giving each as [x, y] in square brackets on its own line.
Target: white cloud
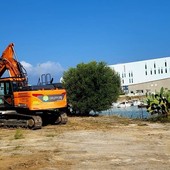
[27, 66]
[34, 72]
[49, 67]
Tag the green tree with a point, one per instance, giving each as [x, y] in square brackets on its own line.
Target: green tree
[91, 87]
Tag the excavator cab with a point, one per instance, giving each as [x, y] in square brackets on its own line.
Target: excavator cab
[7, 89]
[6, 94]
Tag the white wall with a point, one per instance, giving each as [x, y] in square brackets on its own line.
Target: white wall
[135, 72]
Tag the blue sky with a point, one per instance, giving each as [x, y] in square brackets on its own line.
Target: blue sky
[54, 35]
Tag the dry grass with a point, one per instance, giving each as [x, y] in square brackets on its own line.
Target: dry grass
[103, 142]
[92, 123]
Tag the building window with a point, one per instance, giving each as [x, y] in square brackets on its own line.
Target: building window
[145, 66]
[122, 81]
[158, 70]
[166, 70]
[151, 72]
[154, 71]
[161, 70]
[132, 80]
[146, 73]
[165, 64]
[129, 80]
[154, 65]
[129, 74]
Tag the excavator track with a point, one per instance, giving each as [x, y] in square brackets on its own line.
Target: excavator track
[12, 119]
[62, 119]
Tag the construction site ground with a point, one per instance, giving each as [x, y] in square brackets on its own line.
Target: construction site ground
[88, 143]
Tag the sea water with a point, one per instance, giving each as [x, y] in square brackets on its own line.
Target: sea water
[129, 112]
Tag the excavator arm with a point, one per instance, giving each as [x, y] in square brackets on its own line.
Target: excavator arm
[15, 69]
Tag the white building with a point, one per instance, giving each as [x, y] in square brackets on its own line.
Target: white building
[144, 76]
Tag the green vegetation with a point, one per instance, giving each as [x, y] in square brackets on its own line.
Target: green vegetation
[18, 134]
[159, 104]
[91, 87]
[50, 135]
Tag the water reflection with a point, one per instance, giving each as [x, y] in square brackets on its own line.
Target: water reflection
[129, 112]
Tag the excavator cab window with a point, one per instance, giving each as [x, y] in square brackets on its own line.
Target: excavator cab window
[15, 86]
[1, 88]
[6, 93]
[5, 88]
[1, 93]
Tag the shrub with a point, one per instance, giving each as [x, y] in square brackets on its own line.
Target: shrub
[91, 87]
[159, 103]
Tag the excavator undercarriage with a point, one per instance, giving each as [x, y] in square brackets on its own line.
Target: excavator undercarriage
[12, 119]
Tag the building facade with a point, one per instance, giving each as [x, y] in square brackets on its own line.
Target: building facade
[146, 76]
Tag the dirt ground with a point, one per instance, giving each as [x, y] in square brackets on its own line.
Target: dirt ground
[90, 143]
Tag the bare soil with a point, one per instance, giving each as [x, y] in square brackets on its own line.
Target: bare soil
[94, 143]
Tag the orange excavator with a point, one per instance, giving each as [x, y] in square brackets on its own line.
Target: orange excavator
[27, 106]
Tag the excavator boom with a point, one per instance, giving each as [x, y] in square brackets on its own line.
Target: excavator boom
[14, 68]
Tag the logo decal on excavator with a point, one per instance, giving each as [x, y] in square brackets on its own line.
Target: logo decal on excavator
[45, 98]
[49, 98]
